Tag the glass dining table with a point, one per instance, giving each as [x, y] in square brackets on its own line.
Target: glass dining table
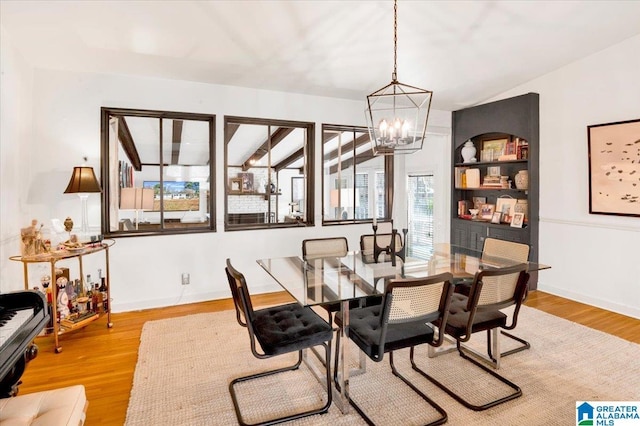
[331, 280]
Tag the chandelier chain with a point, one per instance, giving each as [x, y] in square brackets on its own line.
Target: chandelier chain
[395, 40]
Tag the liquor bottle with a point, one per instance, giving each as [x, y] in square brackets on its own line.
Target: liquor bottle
[103, 291]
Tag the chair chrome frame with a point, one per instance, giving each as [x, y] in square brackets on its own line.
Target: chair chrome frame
[390, 318]
[476, 303]
[245, 315]
[518, 252]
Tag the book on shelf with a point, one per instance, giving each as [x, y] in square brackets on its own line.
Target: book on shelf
[79, 320]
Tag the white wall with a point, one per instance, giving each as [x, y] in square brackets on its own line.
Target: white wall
[595, 258]
[145, 271]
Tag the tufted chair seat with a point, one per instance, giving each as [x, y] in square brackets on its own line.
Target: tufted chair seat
[278, 330]
[58, 407]
[289, 328]
[459, 317]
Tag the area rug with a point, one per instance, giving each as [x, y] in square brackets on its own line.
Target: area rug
[185, 365]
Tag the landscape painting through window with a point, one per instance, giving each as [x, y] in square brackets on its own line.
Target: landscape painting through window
[176, 196]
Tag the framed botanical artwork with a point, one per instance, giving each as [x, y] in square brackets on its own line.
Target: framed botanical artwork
[517, 220]
[235, 185]
[486, 211]
[614, 168]
[496, 217]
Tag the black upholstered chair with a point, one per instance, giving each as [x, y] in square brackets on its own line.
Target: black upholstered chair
[491, 291]
[402, 320]
[502, 249]
[278, 330]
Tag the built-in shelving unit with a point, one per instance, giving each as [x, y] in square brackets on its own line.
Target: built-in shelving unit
[507, 126]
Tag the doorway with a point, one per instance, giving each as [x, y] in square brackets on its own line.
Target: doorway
[420, 215]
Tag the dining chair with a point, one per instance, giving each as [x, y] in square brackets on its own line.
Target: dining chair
[402, 320]
[278, 330]
[517, 252]
[491, 291]
[316, 248]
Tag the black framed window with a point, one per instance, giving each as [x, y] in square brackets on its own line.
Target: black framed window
[157, 172]
[355, 183]
[268, 173]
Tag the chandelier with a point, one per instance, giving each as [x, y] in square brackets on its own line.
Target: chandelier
[397, 114]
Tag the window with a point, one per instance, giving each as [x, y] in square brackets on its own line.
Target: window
[268, 173]
[420, 216]
[355, 183]
[157, 172]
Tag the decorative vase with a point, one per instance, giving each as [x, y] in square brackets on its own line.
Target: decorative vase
[468, 152]
[522, 179]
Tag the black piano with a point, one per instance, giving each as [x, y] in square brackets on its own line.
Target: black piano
[23, 315]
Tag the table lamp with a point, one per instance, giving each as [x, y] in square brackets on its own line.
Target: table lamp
[83, 182]
[136, 199]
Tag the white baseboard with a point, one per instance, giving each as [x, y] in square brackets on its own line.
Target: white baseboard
[182, 299]
[630, 311]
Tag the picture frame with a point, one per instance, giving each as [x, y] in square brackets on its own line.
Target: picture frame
[517, 220]
[495, 218]
[478, 202]
[614, 168]
[493, 148]
[486, 211]
[506, 206]
[247, 181]
[235, 185]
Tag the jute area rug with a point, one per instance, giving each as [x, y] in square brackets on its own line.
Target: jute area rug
[185, 365]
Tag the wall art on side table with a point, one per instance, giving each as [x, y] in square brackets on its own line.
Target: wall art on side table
[614, 168]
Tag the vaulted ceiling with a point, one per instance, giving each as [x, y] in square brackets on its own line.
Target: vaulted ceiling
[464, 51]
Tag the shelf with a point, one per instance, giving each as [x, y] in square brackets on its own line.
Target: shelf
[486, 188]
[490, 163]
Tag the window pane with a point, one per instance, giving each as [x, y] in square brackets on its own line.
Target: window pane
[264, 158]
[420, 216]
[157, 166]
[351, 175]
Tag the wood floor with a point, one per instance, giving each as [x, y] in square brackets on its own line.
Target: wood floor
[103, 360]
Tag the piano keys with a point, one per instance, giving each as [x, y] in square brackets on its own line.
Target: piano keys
[23, 315]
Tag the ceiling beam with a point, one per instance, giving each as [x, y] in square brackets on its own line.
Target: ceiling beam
[360, 158]
[359, 141]
[128, 145]
[289, 160]
[276, 138]
[230, 130]
[176, 140]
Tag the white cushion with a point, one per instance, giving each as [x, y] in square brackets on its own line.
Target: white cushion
[64, 406]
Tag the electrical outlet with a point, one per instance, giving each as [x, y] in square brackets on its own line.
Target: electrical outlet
[185, 278]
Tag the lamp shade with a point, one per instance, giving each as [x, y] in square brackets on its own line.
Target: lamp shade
[136, 199]
[83, 179]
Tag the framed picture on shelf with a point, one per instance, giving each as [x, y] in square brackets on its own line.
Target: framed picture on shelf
[486, 211]
[506, 206]
[496, 217]
[478, 202]
[247, 181]
[517, 220]
[235, 185]
[493, 148]
[614, 168]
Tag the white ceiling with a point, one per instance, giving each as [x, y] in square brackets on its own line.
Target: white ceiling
[464, 51]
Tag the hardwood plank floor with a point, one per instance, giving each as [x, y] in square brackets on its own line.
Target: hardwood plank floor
[103, 360]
